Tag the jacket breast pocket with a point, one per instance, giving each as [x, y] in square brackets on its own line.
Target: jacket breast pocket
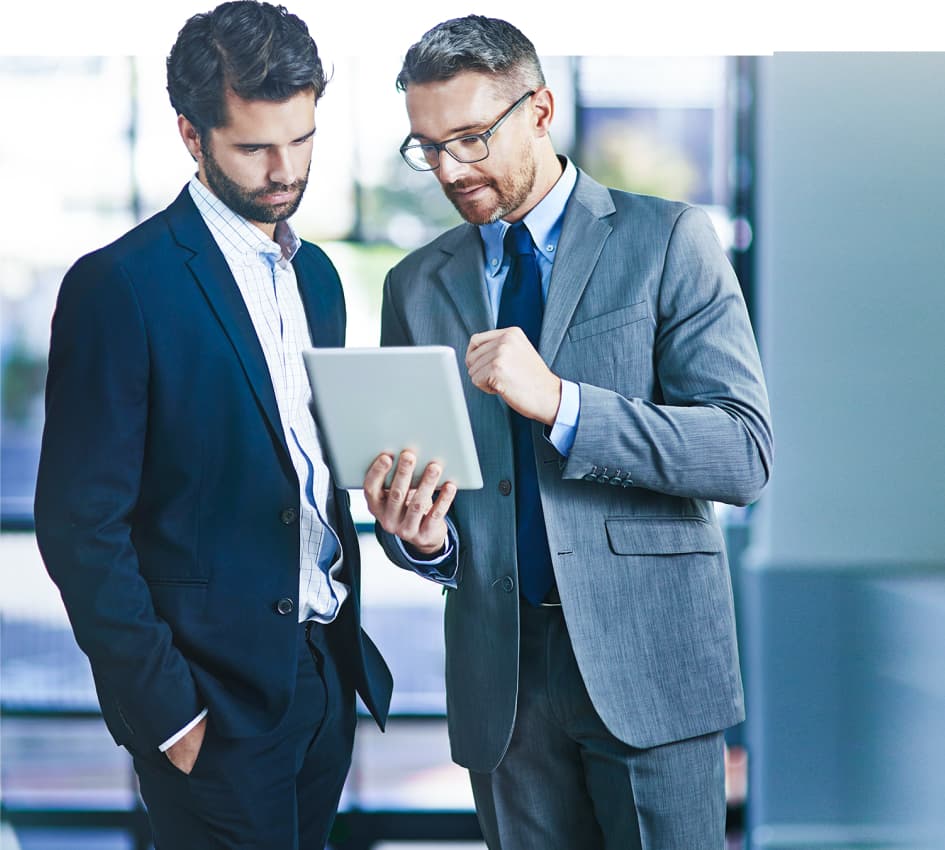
[662, 536]
[608, 321]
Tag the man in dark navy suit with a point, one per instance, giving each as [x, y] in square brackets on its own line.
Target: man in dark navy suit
[208, 564]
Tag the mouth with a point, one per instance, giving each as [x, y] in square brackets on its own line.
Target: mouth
[277, 198]
[276, 195]
[467, 193]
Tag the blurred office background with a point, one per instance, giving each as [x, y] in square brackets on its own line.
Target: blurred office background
[824, 175]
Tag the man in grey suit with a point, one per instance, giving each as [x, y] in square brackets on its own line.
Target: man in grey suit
[615, 392]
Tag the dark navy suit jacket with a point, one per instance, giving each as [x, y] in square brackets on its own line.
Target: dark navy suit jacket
[167, 504]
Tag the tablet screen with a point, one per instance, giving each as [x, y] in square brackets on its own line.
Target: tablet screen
[373, 400]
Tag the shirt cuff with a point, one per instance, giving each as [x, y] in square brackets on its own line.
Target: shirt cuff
[175, 738]
[564, 430]
[427, 566]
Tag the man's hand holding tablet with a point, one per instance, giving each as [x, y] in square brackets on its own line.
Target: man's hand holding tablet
[417, 516]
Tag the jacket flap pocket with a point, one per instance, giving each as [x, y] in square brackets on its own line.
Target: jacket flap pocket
[609, 321]
[662, 535]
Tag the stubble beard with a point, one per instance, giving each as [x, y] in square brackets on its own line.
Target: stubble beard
[510, 194]
[245, 202]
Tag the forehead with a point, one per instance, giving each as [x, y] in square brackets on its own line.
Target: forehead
[468, 101]
[268, 121]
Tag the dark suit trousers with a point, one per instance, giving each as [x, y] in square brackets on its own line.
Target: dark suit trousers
[278, 791]
[566, 783]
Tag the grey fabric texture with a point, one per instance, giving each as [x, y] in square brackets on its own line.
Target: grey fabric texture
[645, 313]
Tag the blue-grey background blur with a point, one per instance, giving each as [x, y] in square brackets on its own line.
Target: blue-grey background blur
[824, 174]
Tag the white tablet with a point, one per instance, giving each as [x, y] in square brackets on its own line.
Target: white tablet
[373, 400]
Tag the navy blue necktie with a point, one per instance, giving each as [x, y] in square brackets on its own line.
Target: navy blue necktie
[521, 306]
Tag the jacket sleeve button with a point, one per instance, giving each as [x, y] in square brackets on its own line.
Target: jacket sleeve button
[285, 606]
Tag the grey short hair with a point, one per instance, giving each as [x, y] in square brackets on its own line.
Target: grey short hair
[474, 43]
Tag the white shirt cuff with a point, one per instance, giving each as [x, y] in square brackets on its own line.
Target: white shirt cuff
[175, 738]
[431, 562]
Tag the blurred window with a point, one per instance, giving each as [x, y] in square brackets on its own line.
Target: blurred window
[98, 150]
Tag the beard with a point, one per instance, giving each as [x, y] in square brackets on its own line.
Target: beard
[509, 193]
[246, 202]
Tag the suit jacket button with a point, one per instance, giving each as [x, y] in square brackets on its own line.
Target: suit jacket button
[590, 477]
[285, 606]
[505, 486]
[288, 516]
[507, 584]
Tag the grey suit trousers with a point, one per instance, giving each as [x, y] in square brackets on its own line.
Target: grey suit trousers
[566, 783]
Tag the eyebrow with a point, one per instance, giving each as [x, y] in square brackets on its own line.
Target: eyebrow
[250, 145]
[467, 129]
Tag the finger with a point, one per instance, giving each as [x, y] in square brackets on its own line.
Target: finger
[443, 502]
[482, 338]
[410, 524]
[427, 486]
[374, 481]
[418, 505]
[485, 376]
[399, 486]
[485, 346]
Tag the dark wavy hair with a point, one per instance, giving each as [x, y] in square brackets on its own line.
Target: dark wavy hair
[257, 50]
[474, 43]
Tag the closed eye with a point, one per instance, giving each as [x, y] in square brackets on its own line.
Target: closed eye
[303, 139]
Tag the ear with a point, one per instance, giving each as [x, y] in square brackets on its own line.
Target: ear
[543, 110]
[188, 132]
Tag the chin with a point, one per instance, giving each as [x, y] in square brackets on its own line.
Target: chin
[475, 215]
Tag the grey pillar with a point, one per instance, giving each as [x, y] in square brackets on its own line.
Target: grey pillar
[843, 590]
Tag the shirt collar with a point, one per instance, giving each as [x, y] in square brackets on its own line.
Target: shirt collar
[543, 222]
[237, 238]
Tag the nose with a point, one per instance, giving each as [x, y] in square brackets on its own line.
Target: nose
[450, 169]
[281, 169]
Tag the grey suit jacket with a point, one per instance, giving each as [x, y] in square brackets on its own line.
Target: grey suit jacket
[645, 313]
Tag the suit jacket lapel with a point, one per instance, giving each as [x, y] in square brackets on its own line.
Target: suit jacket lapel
[324, 310]
[461, 275]
[213, 275]
[583, 235]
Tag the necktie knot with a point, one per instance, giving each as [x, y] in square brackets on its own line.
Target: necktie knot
[518, 240]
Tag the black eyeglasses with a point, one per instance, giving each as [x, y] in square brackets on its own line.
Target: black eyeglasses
[471, 148]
